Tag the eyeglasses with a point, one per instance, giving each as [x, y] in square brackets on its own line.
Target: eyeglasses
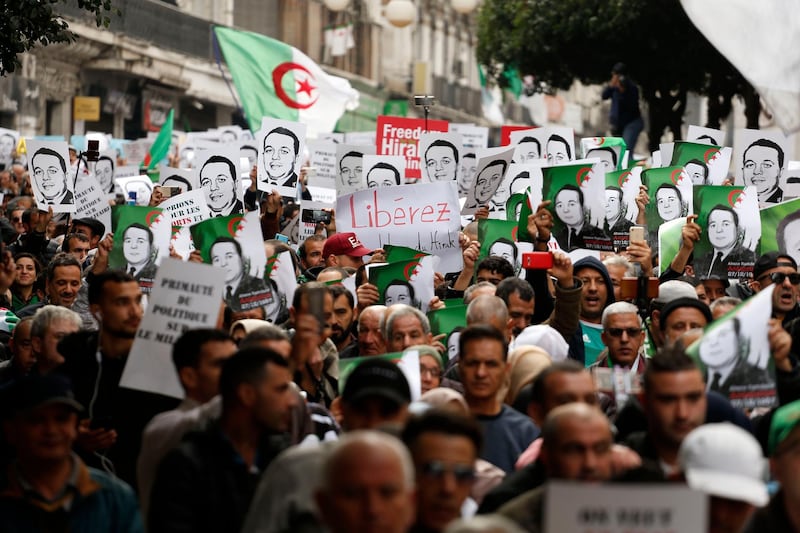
[779, 277]
[617, 332]
[432, 372]
[437, 470]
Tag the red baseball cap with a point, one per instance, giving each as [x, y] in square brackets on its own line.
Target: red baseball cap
[344, 244]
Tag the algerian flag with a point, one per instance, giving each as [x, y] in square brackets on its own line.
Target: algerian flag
[595, 146]
[777, 231]
[276, 80]
[141, 240]
[401, 253]
[408, 282]
[498, 237]
[709, 163]
[407, 361]
[160, 147]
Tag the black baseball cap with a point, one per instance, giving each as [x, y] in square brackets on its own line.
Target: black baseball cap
[34, 391]
[377, 378]
[771, 260]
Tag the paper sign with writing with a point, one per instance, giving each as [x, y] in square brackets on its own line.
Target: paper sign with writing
[185, 299]
[91, 201]
[422, 216]
[622, 508]
[400, 136]
[474, 137]
[322, 158]
[187, 208]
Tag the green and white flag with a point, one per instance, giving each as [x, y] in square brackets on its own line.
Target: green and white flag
[734, 353]
[670, 196]
[276, 80]
[281, 277]
[703, 164]
[407, 282]
[670, 237]
[234, 243]
[407, 361]
[611, 150]
[141, 240]
[622, 187]
[780, 229]
[401, 253]
[450, 321]
[731, 230]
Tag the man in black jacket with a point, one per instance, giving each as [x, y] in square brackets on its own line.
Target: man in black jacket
[207, 483]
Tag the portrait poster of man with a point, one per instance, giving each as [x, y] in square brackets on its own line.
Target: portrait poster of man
[405, 282]
[529, 145]
[517, 179]
[499, 238]
[491, 169]
[472, 137]
[703, 164]
[141, 240]
[440, 156]
[282, 280]
[559, 146]
[670, 197]
[611, 151]
[234, 243]
[383, 171]
[577, 204]
[700, 134]
[622, 187]
[466, 172]
[350, 167]
[731, 230]
[780, 229]
[735, 356]
[248, 156]
[407, 362]
[182, 178]
[761, 159]
[141, 185]
[229, 134]
[104, 169]
[217, 173]
[8, 146]
[281, 145]
[52, 182]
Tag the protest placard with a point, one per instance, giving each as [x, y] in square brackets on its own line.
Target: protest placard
[703, 135]
[473, 137]
[703, 164]
[383, 171]
[283, 282]
[423, 216]
[670, 239]
[499, 238]
[407, 361]
[735, 356]
[235, 243]
[560, 145]
[322, 159]
[732, 228]
[491, 169]
[670, 198]
[622, 187]
[136, 151]
[761, 159]
[350, 167]
[91, 201]
[440, 154]
[529, 145]
[400, 136]
[610, 150]
[181, 241]
[52, 181]
[577, 204]
[450, 321]
[505, 133]
[780, 229]
[141, 240]
[8, 143]
[215, 171]
[280, 152]
[185, 299]
[623, 508]
[407, 282]
[516, 180]
[182, 178]
[187, 208]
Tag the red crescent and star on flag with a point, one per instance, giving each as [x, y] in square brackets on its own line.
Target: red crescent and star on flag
[305, 85]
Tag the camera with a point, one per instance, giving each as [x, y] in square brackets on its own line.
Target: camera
[93, 152]
[426, 100]
[315, 216]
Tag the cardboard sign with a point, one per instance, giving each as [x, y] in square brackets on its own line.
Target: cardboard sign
[52, 179]
[280, 150]
[474, 137]
[408, 362]
[187, 298]
[187, 208]
[491, 170]
[400, 136]
[422, 216]
[142, 236]
[623, 508]
[92, 202]
[761, 159]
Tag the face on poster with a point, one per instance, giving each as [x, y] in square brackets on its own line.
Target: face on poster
[560, 145]
[703, 164]
[384, 170]
[48, 164]
[529, 144]
[8, 143]
[439, 156]
[229, 134]
[104, 171]
[350, 167]
[517, 179]
[492, 166]
[249, 151]
[703, 135]
[281, 146]
[217, 174]
[469, 165]
[181, 178]
[761, 161]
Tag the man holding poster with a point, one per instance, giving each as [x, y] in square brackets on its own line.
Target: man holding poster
[242, 291]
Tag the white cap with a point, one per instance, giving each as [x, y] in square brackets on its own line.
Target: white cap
[726, 461]
[673, 289]
[546, 338]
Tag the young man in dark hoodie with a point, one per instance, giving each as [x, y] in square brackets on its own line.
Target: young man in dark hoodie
[596, 294]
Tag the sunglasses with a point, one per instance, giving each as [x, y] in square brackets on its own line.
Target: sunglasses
[437, 470]
[779, 277]
[617, 332]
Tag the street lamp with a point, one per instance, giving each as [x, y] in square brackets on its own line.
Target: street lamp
[400, 13]
[464, 7]
[336, 5]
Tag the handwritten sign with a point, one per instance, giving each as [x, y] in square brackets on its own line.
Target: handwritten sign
[400, 136]
[588, 508]
[424, 216]
[187, 298]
